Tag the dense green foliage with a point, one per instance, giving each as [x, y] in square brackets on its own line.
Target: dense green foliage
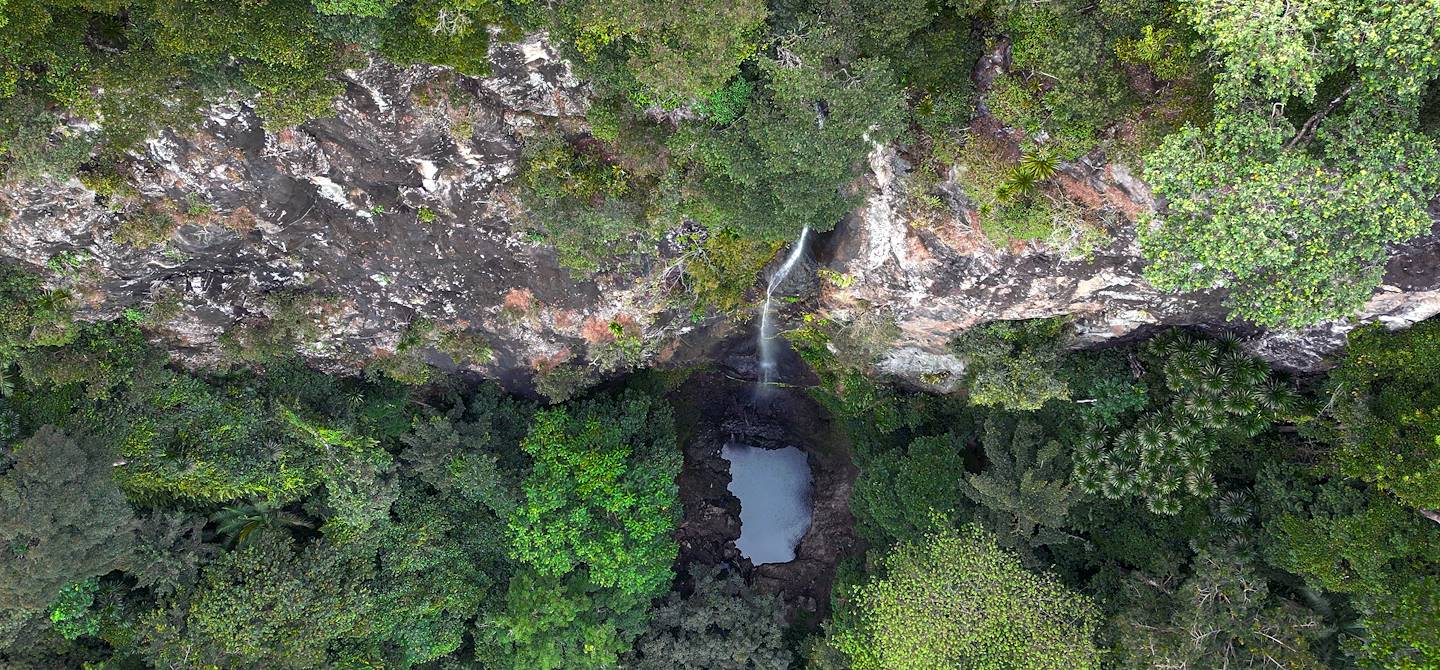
[1024, 493]
[667, 53]
[62, 520]
[959, 600]
[1362, 544]
[1274, 559]
[32, 314]
[601, 494]
[1387, 412]
[1201, 396]
[721, 625]
[386, 525]
[1012, 364]
[286, 519]
[1223, 611]
[1314, 162]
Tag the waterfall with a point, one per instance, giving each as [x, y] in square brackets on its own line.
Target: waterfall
[765, 348]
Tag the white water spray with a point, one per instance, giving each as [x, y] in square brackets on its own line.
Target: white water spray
[765, 346]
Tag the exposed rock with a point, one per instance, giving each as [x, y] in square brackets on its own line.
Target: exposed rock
[395, 208]
[399, 208]
[937, 280]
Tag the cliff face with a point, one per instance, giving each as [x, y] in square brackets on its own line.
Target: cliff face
[938, 279]
[398, 209]
[393, 210]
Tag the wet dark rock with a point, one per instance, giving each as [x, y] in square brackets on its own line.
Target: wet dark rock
[722, 407]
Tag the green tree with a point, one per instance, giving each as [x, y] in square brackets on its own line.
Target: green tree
[182, 438]
[1291, 212]
[721, 625]
[170, 552]
[71, 613]
[1014, 364]
[786, 164]
[1065, 83]
[1204, 395]
[440, 567]
[1344, 538]
[601, 494]
[554, 623]
[1386, 411]
[30, 315]
[356, 473]
[473, 450]
[62, 520]
[1025, 490]
[676, 52]
[268, 605]
[900, 493]
[957, 599]
[878, 27]
[1224, 614]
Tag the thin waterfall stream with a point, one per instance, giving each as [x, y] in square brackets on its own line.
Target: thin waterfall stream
[765, 347]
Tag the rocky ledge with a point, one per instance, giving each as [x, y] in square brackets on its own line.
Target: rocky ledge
[937, 279]
[397, 210]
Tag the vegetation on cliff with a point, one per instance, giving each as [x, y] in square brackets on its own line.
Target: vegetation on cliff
[1289, 151]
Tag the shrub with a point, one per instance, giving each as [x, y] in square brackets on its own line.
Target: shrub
[30, 315]
[562, 382]
[71, 615]
[1008, 201]
[1014, 364]
[146, 229]
[588, 207]
[292, 320]
[724, 267]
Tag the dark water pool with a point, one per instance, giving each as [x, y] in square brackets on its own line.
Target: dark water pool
[773, 486]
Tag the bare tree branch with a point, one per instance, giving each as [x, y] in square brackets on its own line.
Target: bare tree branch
[1308, 129]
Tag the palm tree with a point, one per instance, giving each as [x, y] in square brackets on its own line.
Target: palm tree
[247, 522]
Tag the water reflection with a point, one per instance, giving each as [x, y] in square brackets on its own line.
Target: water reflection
[773, 486]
